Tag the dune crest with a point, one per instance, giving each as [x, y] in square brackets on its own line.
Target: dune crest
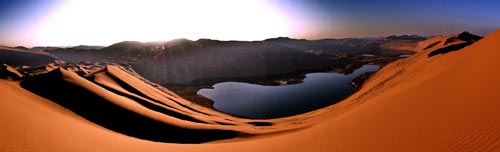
[106, 95]
[445, 44]
[8, 72]
[448, 102]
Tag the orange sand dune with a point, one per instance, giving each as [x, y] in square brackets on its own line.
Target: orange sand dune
[447, 102]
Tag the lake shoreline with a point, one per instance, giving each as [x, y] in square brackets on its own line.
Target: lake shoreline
[255, 101]
[190, 91]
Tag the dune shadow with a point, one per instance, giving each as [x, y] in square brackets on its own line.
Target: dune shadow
[108, 115]
[16, 58]
[448, 49]
[145, 103]
[432, 45]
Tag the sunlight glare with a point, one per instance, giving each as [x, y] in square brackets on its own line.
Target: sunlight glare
[111, 21]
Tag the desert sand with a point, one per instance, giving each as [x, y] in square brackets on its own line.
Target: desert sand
[447, 102]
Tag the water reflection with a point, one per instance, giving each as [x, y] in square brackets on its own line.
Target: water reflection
[256, 101]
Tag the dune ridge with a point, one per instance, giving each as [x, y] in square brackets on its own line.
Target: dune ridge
[448, 102]
[125, 94]
[18, 57]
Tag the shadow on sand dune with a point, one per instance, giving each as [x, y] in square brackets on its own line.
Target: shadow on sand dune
[448, 49]
[106, 114]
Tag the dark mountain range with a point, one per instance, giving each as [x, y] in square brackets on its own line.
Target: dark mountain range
[46, 48]
[87, 47]
[186, 62]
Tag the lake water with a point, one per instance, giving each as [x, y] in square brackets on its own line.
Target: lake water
[257, 101]
[367, 55]
[405, 55]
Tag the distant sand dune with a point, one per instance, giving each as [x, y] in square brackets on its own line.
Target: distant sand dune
[448, 102]
[17, 57]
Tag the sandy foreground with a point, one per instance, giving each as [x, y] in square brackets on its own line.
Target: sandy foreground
[447, 102]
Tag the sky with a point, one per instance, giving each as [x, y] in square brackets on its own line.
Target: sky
[104, 22]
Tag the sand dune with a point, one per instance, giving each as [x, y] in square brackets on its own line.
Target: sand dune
[18, 57]
[444, 44]
[447, 102]
[123, 103]
[8, 72]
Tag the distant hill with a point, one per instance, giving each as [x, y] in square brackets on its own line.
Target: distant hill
[46, 48]
[87, 47]
[51, 48]
[182, 61]
[21, 47]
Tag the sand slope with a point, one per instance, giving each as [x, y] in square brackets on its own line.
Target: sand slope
[447, 102]
[121, 102]
[17, 57]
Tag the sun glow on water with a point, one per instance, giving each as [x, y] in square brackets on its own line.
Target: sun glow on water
[107, 22]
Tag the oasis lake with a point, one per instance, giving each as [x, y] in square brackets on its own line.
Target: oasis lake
[317, 90]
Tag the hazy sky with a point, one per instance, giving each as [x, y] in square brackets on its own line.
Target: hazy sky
[104, 22]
